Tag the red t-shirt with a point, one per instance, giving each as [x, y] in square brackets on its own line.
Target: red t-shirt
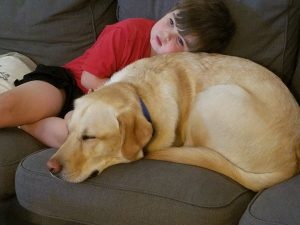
[117, 46]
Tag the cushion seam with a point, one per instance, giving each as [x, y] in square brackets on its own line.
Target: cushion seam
[93, 26]
[284, 46]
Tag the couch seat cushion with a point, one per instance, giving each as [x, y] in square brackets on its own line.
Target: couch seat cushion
[15, 145]
[145, 192]
[278, 205]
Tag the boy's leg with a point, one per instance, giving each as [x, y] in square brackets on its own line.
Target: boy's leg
[51, 131]
[30, 102]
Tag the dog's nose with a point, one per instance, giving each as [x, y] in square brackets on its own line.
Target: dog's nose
[54, 166]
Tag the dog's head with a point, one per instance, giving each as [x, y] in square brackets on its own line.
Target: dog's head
[101, 134]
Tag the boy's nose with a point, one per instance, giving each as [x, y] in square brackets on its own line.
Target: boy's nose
[168, 36]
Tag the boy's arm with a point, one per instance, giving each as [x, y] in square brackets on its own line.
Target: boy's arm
[90, 81]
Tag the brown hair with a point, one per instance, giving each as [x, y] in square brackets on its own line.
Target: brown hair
[209, 21]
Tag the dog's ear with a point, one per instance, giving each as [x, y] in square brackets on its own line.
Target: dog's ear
[136, 132]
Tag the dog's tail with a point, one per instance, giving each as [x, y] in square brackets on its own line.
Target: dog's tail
[206, 158]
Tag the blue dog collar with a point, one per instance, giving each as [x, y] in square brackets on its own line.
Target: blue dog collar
[145, 111]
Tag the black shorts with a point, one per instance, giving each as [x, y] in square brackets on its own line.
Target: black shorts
[60, 78]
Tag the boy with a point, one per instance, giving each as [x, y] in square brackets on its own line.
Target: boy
[192, 25]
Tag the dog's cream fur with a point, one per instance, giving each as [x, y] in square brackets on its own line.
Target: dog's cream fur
[219, 112]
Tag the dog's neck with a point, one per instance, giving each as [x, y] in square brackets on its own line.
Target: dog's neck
[145, 110]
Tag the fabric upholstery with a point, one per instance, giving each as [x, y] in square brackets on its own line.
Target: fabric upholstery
[11, 156]
[295, 84]
[12, 213]
[133, 192]
[267, 33]
[152, 9]
[52, 32]
[278, 205]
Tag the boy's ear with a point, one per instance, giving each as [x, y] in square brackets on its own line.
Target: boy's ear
[136, 132]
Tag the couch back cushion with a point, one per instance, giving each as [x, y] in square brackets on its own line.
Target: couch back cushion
[267, 31]
[52, 31]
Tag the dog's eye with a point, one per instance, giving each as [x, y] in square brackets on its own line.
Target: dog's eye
[87, 137]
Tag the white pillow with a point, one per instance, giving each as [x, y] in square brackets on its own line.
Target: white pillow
[13, 66]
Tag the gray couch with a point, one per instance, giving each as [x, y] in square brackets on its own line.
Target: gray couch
[145, 192]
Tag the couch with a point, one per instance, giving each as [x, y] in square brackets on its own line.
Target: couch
[145, 192]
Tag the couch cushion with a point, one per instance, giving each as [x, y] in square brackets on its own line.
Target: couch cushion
[15, 145]
[52, 31]
[277, 205]
[152, 9]
[145, 192]
[267, 31]
[12, 213]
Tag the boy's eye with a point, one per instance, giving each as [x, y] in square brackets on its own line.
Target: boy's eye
[180, 41]
[171, 22]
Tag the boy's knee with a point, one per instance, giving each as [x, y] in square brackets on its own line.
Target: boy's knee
[7, 102]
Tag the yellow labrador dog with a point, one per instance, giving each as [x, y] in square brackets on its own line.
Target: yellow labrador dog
[219, 112]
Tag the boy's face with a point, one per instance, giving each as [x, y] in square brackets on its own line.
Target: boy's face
[165, 37]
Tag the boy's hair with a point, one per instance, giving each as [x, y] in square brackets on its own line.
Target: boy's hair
[207, 20]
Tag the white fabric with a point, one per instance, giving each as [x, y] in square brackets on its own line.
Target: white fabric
[13, 66]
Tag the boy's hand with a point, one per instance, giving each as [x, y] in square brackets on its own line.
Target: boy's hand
[91, 82]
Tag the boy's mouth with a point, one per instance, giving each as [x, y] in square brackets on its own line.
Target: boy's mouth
[158, 41]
